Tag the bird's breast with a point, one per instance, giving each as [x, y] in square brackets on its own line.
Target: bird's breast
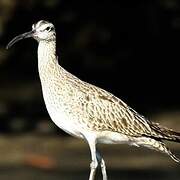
[59, 108]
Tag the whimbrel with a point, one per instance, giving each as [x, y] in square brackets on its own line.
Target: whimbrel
[89, 112]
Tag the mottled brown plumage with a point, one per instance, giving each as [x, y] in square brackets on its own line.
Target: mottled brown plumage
[89, 112]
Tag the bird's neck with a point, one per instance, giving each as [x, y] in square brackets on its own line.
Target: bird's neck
[47, 53]
[47, 60]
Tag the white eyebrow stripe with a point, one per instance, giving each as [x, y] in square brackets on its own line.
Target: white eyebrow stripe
[42, 25]
[38, 23]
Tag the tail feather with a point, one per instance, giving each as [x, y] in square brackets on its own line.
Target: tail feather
[165, 133]
[173, 157]
[157, 145]
[168, 152]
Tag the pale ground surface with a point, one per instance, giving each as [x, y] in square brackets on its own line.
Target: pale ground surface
[40, 157]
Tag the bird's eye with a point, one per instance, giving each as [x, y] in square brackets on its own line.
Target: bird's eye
[48, 29]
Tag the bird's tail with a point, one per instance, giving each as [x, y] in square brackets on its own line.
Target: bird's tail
[157, 145]
[172, 155]
[164, 133]
[163, 148]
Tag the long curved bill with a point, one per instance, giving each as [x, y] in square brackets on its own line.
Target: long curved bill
[20, 37]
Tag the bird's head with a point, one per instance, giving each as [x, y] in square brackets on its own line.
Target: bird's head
[41, 31]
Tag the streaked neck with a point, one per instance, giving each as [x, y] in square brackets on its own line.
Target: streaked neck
[47, 60]
[46, 53]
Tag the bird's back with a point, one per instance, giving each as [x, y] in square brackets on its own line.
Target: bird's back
[94, 109]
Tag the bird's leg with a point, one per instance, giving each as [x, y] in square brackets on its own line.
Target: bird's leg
[94, 162]
[103, 165]
[93, 167]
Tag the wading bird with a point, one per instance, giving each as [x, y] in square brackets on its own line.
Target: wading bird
[89, 112]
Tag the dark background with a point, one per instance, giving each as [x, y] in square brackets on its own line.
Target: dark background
[130, 48]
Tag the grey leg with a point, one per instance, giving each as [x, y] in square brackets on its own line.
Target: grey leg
[103, 165]
[94, 162]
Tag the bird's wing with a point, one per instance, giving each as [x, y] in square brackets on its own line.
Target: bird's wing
[107, 112]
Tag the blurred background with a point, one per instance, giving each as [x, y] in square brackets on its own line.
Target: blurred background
[130, 48]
